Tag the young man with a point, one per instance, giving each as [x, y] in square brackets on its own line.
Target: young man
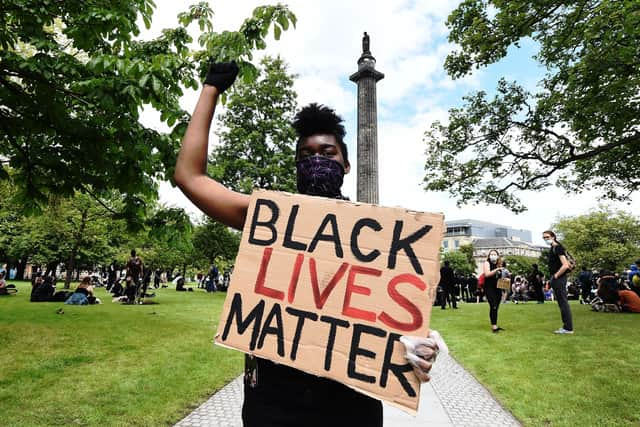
[277, 395]
[558, 267]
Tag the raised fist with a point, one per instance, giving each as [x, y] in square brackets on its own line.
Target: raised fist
[221, 75]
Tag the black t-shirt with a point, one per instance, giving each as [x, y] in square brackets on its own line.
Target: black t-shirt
[281, 396]
[446, 276]
[554, 258]
[84, 291]
[491, 281]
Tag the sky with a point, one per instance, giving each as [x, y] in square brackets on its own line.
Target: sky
[409, 42]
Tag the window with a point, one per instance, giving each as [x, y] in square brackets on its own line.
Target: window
[445, 244]
[456, 243]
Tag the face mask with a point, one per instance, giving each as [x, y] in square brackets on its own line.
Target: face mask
[493, 258]
[548, 241]
[319, 176]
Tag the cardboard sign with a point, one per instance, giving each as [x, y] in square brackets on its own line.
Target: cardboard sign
[329, 286]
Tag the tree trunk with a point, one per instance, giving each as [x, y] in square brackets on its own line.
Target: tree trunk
[74, 250]
[70, 267]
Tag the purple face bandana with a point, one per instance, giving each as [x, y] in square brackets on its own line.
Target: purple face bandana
[319, 176]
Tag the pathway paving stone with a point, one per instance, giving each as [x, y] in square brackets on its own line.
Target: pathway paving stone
[453, 397]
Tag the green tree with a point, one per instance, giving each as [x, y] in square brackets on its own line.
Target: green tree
[73, 231]
[74, 78]
[580, 131]
[168, 243]
[520, 265]
[459, 262]
[602, 239]
[213, 241]
[467, 250]
[257, 147]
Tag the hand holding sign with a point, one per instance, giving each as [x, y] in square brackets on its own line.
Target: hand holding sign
[422, 352]
[329, 287]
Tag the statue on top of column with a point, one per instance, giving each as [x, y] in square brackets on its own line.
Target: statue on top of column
[365, 44]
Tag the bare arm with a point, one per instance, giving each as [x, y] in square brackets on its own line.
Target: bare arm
[214, 199]
[486, 269]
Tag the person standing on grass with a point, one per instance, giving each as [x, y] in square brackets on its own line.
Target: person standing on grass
[558, 268]
[447, 281]
[492, 271]
[585, 278]
[536, 280]
[277, 395]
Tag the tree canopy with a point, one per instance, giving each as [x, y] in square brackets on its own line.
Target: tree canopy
[74, 77]
[604, 239]
[257, 142]
[460, 263]
[579, 131]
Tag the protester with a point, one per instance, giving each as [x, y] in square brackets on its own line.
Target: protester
[41, 291]
[277, 395]
[504, 274]
[112, 274]
[492, 270]
[536, 280]
[83, 295]
[634, 277]
[135, 267]
[447, 283]
[608, 287]
[6, 289]
[585, 279]
[135, 270]
[629, 301]
[156, 278]
[558, 268]
[479, 293]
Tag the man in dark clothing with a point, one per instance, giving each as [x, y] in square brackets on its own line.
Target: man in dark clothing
[585, 278]
[558, 267]
[535, 279]
[135, 269]
[42, 290]
[447, 282]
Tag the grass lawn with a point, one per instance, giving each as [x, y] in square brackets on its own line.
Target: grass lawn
[150, 365]
[110, 364]
[591, 378]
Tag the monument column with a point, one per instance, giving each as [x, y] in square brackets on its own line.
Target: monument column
[366, 78]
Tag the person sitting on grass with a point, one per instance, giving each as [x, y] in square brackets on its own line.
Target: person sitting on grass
[608, 287]
[4, 288]
[180, 285]
[629, 301]
[41, 290]
[83, 294]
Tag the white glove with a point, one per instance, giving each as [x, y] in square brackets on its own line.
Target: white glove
[422, 352]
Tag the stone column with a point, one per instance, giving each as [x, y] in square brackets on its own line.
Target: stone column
[366, 78]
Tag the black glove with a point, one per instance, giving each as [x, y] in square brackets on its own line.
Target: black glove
[221, 75]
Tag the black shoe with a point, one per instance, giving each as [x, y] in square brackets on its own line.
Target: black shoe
[496, 330]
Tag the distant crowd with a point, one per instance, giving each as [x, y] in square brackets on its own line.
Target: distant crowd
[131, 283]
[587, 287]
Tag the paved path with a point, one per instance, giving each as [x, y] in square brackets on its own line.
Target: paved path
[452, 398]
